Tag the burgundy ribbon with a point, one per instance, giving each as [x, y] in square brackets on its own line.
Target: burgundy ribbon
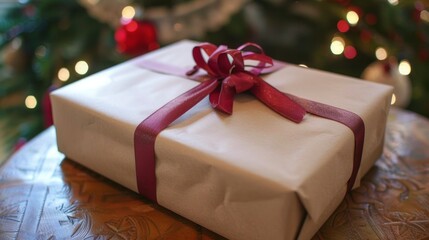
[230, 71]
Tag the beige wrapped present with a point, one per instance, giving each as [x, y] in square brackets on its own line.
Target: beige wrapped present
[251, 175]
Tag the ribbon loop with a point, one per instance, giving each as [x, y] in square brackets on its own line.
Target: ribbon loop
[229, 62]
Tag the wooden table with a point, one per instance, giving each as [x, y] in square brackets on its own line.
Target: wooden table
[45, 196]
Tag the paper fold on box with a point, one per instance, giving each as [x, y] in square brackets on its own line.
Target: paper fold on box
[251, 175]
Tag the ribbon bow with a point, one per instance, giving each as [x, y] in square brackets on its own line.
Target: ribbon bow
[237, 70]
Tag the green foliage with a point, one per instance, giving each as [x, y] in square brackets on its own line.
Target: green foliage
[51, 35]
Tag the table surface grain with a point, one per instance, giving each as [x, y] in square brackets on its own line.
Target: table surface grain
[46, 196]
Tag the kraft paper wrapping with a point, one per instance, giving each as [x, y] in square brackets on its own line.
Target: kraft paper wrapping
[251, 175]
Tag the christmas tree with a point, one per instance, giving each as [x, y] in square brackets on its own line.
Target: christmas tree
[46, 44]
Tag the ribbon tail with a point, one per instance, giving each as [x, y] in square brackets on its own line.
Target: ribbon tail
[278, 101]
[349, 119]
[146, 132]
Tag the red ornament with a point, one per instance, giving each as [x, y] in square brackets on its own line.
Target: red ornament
[136, 37]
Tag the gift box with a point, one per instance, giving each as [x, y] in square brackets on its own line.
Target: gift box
[253, 174]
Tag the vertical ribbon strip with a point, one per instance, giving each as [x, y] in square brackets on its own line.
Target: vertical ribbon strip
[230, 71]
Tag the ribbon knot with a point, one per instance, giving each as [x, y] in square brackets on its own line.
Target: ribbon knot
[237, 71]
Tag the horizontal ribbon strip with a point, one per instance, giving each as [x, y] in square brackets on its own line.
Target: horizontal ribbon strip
[230, 71]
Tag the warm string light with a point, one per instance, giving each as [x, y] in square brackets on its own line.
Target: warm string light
[352, 17]
[404, 67]
[337, 45]
[380, 53]
[128, 12]
[81, 67]
[127, 15]
[63, 74]
[30, 102]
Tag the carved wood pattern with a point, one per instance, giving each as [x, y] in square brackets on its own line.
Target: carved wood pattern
[393, 200]
[44, 196]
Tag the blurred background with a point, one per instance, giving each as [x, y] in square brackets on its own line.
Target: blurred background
[46, 44]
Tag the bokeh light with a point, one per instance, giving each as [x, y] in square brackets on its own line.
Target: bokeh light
[63, 74]
[350, 52]
[380, 53]
[352, 17]
[30, 101]
[404, 67]
[343, 26]
[337, 45]
[81, 67]
[128, 12]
